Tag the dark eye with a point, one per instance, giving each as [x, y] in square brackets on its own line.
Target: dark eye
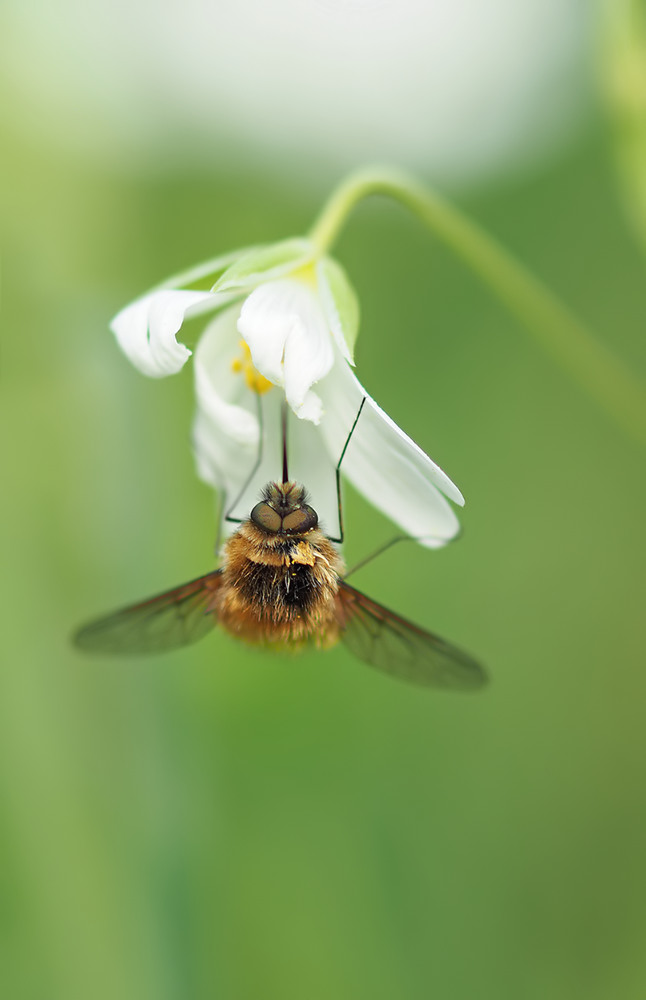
[301, 520]
[266, 517]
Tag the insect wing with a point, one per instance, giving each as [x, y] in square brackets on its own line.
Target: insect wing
[168, 621]
[390, 643]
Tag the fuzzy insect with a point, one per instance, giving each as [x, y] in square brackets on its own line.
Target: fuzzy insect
[281, 585]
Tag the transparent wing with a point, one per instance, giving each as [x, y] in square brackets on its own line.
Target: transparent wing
[170, 620]
[390, 643]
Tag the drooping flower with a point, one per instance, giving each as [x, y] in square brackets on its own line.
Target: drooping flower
[285, 326]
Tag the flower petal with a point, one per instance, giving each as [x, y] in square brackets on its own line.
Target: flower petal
[265, 263]
[308, 357]
[284, 325]
[146, 329]
[340, 304]
[208, 269]
[384, 464]
[311, 409]
[225, 432]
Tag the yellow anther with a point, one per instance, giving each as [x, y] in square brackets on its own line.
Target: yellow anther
[256, 382]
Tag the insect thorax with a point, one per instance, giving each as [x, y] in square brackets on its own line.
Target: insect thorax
[280, 588]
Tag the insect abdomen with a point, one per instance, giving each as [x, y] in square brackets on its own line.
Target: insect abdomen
[280, 591]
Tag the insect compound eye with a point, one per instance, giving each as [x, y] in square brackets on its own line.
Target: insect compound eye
[266, 517]
[301, 520]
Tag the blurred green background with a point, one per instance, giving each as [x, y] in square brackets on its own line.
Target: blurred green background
[223, 823]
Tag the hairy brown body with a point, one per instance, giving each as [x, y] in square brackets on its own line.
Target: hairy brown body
[281, 584]
[280, 589]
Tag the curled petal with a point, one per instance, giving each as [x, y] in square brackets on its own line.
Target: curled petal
[384, 464]
[284, 325]
[146, 329]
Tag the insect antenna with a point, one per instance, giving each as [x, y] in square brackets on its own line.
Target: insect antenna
[338, 473]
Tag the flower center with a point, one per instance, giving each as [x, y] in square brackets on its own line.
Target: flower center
[256, 382]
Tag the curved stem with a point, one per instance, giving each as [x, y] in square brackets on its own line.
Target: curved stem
[624, 85]
[593, 365]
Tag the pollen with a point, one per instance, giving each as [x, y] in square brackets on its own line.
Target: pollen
[245, 366]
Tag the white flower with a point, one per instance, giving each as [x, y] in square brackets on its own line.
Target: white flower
[285, 328]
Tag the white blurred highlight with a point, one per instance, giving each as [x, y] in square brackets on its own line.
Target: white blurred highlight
[454, 87]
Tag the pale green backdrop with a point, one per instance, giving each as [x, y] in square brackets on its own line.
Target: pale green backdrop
[222, 823]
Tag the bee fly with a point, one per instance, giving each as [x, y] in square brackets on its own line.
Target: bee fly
[281, 584]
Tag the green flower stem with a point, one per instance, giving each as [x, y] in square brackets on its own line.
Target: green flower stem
[623, 82]
[594, 366]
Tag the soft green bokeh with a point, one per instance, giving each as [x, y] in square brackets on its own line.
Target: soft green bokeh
[222, 823]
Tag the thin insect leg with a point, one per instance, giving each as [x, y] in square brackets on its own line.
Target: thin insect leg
[220, 519]
[377, 552]
[338, 472]
[256, 466]
[389, 544]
